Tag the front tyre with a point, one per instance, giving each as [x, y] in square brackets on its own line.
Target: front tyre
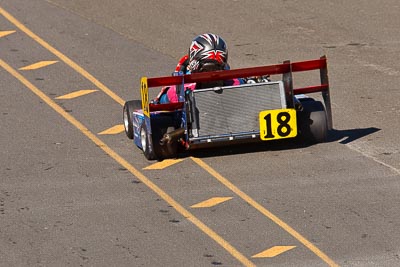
[146, 142]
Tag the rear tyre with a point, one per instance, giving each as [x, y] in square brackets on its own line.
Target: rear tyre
[313, 122]
[147, 144]
[152, 149]
[129, 107]
[160, 126]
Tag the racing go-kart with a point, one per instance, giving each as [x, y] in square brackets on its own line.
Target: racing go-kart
[259, 111]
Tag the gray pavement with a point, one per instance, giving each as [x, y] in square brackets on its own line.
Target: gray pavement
[64, 201]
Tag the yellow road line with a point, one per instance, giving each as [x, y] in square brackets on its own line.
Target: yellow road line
[265, 212]
[273, 252]
[76, 94]
[179, 208]
[39, 65]
[62, 57]
[211, 202]
[223, 180]
[113, 130]
[5, 33]
[163, 164]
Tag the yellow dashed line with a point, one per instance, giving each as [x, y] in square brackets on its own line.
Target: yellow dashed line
[265, 212]
[38, 65]
[273, 252]
[211, 202]
[163, 164]
[76, 94]
[62, 57]
[178, 207]
[114, 130]
[5, 33]
[140, 176]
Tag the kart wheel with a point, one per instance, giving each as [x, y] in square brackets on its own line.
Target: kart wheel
[147, 145]
[129, 107]
[313, 122]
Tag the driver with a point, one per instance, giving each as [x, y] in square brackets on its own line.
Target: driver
[207, 52]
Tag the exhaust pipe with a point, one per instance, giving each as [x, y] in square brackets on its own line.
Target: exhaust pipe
[172, 136]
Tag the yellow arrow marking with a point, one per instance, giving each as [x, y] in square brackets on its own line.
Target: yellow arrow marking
[172, 202]
[211, 202]
[265, 212]
[38, 65]
[113, 130]
[163, 164]
[272, 252]
[5, 33]
[76, 94]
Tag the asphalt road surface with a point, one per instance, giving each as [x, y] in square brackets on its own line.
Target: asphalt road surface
[74, 191]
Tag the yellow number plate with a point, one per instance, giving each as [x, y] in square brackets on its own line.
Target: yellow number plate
[144, 91]
[278, 124]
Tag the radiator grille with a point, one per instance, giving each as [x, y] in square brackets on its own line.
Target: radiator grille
[236, 109]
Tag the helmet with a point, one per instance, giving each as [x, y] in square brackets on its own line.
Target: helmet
[207, 52]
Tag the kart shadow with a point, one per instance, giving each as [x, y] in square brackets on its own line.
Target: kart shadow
[343, 136]
[348, 136]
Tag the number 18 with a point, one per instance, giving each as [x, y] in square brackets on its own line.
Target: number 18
[277, 124]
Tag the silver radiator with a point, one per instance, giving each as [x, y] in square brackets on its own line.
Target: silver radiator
[234, 110]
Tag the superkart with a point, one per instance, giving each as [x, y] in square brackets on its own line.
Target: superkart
[259, 111]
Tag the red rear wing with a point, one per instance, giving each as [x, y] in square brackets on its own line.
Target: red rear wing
[286, 69]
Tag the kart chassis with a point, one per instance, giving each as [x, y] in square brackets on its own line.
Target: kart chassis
[161, 129]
